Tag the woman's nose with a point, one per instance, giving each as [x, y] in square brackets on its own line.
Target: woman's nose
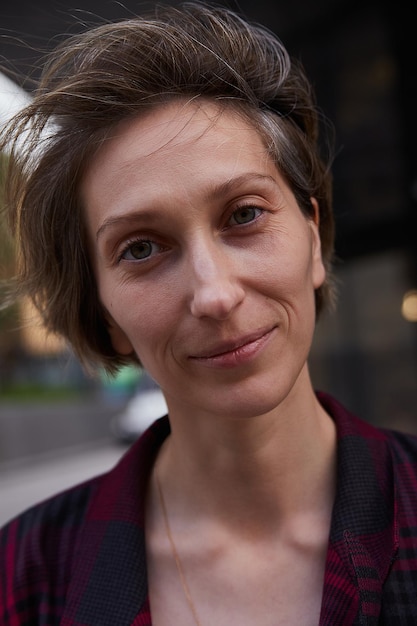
[216, 290]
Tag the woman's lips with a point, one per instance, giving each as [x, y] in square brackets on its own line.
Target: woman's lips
[237, 352]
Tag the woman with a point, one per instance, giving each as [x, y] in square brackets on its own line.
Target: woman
[172, 209]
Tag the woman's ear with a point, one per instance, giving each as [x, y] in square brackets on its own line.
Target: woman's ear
[120, 341]
[316, 212]
[319, 271]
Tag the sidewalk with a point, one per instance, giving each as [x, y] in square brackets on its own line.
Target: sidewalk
[25, 483]
[45, 448]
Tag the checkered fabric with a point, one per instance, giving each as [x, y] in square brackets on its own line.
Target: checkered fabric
[78, 559]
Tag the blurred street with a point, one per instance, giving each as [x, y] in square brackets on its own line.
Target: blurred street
[27, 484]
[44, 449]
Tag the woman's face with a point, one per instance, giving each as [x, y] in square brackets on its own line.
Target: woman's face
[204, 262]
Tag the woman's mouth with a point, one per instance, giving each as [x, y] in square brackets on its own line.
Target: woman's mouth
[229, 354]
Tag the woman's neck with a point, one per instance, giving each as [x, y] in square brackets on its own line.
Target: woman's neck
[253, 472]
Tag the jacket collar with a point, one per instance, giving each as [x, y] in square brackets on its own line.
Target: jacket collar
[363, 536]
[109, 582]
[109, 585]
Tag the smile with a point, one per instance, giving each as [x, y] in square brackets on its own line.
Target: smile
[237, 352]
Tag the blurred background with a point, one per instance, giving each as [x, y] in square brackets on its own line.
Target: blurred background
[58, 426]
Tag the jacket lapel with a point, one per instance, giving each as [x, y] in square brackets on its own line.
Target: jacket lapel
[109, 582]
[363, 541]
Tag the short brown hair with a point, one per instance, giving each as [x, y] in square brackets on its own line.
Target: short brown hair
[112, 72]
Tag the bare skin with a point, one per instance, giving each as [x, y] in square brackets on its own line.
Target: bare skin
[207, 268]
[250, 527]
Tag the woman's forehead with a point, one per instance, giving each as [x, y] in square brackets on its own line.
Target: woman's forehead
[173, 124]
[170, 134]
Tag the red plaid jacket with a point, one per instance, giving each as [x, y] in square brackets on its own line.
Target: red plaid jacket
[79, 558]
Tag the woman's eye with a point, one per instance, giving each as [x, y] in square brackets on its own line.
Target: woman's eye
[139, 250]
[244, 215]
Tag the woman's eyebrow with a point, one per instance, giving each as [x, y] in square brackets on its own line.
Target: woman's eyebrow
[150, 216]
[216, 191]
[231, 184]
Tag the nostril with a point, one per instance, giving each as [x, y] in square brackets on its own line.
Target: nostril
[217, 301]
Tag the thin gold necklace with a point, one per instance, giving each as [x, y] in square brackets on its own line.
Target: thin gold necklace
[175, 554]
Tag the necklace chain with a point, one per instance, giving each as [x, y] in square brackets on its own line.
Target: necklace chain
[175, 554]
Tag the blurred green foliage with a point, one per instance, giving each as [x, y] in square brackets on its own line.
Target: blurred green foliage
[28, 393]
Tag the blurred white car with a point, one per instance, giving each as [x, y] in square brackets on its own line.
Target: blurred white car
[145, 406]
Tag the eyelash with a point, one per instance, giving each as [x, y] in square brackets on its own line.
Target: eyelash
[134, 242]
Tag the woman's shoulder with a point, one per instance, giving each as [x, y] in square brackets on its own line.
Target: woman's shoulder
[36, 553]
[47, 547]
[403, 444]
[403, 449]
[66, 508]
[46, 523]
